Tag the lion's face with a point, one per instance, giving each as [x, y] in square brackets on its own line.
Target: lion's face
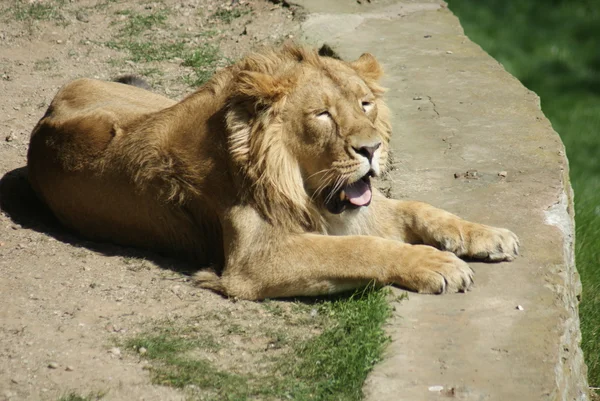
[332, 117]
[308, 131]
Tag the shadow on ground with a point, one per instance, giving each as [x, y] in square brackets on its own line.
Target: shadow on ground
[20, 203]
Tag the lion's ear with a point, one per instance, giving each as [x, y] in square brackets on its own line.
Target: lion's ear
[368, 67]
[263, 87]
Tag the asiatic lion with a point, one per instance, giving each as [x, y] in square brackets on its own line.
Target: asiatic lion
[264, 170]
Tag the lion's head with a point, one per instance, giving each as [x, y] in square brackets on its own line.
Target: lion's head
[307, 132]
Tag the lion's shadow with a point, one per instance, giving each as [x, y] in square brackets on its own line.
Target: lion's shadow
[21, 204]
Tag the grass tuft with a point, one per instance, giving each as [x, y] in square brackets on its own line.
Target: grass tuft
[148, 51]
[227, 16]
[73, 396]
[137, 23]
[41, 11]
[202, 61]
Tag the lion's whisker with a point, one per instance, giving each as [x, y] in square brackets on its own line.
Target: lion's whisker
[325, 170]
[338, 184]
[324, 183]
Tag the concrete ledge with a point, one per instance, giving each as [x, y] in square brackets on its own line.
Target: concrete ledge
[455, 110]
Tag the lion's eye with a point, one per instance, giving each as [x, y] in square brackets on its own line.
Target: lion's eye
[367, 106]
[324, 115]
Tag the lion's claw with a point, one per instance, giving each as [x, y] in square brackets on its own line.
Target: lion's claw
[438, 272]
[492, 244]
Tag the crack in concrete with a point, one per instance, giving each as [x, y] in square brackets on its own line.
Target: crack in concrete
[434, 106]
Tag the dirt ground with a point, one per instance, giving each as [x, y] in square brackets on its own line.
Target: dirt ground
[66, 302]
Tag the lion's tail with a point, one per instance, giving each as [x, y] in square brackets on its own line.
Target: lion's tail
[134, 81]
[208, 279]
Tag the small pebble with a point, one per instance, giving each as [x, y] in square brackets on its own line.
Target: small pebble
[9, 138]
[59, 41]
[142, 350]
[519, 307]
[69, 368]
[449, 52]
[417, 98]
[502, 173]
[436, 388]
[53, 365]
[472, 174]
[81, 16]
[115, 351]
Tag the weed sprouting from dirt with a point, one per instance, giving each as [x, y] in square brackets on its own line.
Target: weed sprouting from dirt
[202, 61]
[148, 50]
[228, 15]
[330, 364]
[138, 23]
[73, 396]
[46, 64]
[27, 10]
[151, 72]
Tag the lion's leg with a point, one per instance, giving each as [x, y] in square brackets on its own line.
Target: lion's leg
[311, 264]
[418, 222]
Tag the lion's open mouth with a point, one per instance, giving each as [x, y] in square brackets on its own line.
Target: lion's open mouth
[352, 196]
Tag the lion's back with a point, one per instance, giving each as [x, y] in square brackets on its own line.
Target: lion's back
[67, 166]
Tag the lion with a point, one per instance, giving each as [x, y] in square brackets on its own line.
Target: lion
[264, 171]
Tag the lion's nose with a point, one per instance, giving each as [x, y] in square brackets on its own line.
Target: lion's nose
[367, 151]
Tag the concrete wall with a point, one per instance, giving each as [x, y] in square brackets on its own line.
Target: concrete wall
[516, 335]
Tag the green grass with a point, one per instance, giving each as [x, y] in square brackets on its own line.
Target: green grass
[137, 38]
[138, 23]
[330, 366]
[42, 11]
[227, 16]
[552, 48]
[46, 64]
[202, 60]
[146, 51]
[73, 396]
[335, 364]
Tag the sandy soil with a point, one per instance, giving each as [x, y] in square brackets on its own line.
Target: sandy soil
[64, 301]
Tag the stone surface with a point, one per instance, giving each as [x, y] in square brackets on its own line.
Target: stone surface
[468, 137]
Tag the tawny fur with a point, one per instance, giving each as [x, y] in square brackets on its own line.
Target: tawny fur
[237, 175]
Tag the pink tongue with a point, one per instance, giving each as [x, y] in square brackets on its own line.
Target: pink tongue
[359, 193]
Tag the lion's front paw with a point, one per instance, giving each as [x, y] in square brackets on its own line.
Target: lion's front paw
[435, 272]
[490, 243]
